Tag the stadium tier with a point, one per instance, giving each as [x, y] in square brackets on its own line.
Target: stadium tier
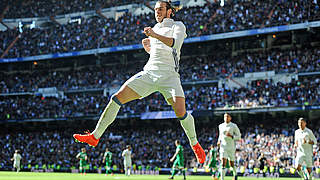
[61, 63]
[127, 29]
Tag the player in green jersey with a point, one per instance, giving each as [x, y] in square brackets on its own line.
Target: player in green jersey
[82, 156]
[179, 162]
[107, 157]
[212, 163]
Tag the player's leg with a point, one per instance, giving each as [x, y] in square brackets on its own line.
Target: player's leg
[174, 168]
[84, 167]
[125, 168]
[14, 167]
[213, 169]
[234, 170]
[110, 169]
[309, 173]
[18, 167]
[231, 155]
[80, 169]
[129, 169]
[214, 173]
[299, 161]
[299, 170]
[107, 168]
[186, 120]
[172, 91]
[181, 167]
[187, 123]
[223, 165]
[309, 163]
[124, 95]
[182, 170]
[137, 86]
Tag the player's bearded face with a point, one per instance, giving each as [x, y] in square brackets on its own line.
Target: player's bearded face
[227, 118]
[161, 12]
[301, 124]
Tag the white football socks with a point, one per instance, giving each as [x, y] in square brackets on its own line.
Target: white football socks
[309, 175]
[107, 117]
[188, 126]
[234, 171]
[222, 172]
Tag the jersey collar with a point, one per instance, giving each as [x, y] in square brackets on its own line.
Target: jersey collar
[166, 22]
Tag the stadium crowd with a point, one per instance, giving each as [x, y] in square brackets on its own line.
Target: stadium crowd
[304, 91]
[151, 147]
[210, 19]
[210, 67]
[37, 8]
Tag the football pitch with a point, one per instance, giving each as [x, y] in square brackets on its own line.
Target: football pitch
[5, 175]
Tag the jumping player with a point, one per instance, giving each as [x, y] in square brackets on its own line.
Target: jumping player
[161, 73]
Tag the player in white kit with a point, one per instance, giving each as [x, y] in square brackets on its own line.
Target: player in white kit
[16, 160]
[228, 134]
[127, 162]
[304, 140]
[160, 74]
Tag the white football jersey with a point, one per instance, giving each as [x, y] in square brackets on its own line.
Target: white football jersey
[163, 57]
[126, 154]
[226, 141]
[301, 136]
[16, 158]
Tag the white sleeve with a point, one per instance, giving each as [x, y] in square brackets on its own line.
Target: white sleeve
[295, 137]
[219, 138]
[312, 137]
[179, 33]
[124, 153]
[237, 134]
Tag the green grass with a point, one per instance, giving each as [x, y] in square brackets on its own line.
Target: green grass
[5, 175]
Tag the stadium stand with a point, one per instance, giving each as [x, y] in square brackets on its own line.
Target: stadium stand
[36, 8]
[152, 146]
[128, 28]
[43, 102]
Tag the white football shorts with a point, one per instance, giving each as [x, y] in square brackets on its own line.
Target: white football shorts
[227, 153]
[127, 164]
[145, 83]
[300, 159]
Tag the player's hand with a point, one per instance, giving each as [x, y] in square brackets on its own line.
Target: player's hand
[304, 141]
[103, 161]
[149, 32]
[171, 160]
[229, 135]
[218, 144]
[146, 42]
[311, 142]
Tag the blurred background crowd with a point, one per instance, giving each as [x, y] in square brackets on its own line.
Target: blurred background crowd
[154, 146]
[99, 32]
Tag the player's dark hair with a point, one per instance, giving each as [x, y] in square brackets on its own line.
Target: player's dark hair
[170, 6]
[302, 119]
[177, 141]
